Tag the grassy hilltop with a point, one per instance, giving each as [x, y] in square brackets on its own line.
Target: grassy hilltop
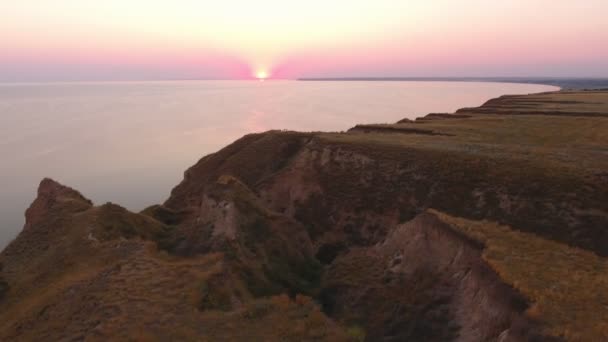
[487, 224]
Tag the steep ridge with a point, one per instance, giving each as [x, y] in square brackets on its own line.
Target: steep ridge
[334, 186]
[466, 234]
[98, 274]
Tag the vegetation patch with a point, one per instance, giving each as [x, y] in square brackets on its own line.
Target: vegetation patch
[297, 276]
[214, 295]
[3, 288]
[356, 333]
[114, 221]
[327, 252]
[163, 214]
[296, 318]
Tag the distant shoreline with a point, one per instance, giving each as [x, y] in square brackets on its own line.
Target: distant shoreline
[564, 83]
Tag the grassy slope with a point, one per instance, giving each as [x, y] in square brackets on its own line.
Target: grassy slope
[571, 103]
[571, 142]
[102, 276]
[551, 162]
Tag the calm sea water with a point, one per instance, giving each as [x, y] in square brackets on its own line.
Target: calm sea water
[130, 142]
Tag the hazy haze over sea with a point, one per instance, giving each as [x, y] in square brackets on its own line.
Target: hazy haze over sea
[130, 142]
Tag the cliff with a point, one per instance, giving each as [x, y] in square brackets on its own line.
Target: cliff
[485, 225]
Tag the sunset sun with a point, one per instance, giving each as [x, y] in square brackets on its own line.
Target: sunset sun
[261, 75]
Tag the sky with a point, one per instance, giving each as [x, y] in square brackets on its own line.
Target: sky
[85, 40]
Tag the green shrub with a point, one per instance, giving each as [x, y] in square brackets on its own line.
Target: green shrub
[356, 333]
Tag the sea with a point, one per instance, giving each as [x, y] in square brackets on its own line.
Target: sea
[130, 142]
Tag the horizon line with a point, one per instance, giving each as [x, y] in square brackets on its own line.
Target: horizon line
[332, 78]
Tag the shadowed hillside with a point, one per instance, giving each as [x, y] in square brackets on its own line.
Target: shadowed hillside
[488, 224]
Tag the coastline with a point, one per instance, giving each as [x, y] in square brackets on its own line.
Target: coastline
[21, 184]
[485, 224]
[563, 83]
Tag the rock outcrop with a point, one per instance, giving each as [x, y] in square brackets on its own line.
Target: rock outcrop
[101, 272]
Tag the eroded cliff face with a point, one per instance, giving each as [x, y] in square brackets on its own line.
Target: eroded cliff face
[425, 281]
[102, 273]
[354, 193]
[421, 280]
[313, 221]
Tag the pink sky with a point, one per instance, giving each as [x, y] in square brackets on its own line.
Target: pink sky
[64, 40]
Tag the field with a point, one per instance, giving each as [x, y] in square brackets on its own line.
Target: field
[570, 131]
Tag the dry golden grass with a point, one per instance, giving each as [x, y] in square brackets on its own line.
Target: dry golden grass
[100, 272]
[588, 103]
[566, 286]
[149, 295]
[575, 142]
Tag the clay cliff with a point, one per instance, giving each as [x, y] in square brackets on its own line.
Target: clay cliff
[486, 225]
